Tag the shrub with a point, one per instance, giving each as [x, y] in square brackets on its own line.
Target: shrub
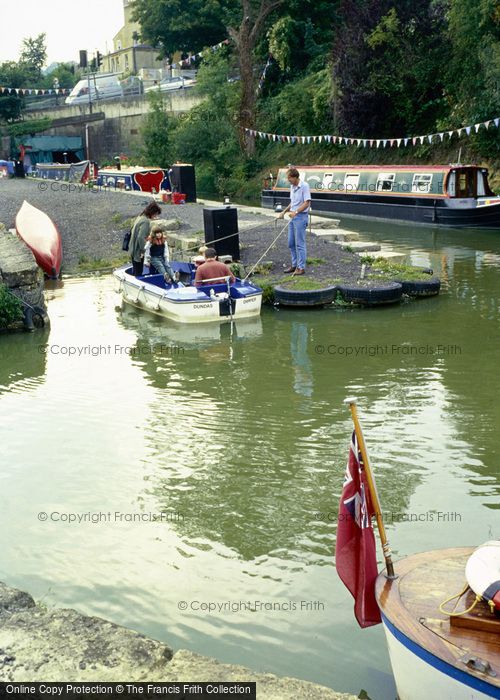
[11, 309]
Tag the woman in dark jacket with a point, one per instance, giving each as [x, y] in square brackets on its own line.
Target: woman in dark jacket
[140, 233]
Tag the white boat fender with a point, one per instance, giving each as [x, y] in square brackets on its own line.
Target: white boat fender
[482, 572]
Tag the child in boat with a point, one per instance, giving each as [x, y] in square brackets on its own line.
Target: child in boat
[156, 255]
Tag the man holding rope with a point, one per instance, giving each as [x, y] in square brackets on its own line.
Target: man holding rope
[300, 201]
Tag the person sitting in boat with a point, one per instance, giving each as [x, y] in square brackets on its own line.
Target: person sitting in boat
[212, 270]
[198, 260]
[157, 257]
[140, 233]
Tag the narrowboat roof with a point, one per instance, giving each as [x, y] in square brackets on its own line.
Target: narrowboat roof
[384, 168]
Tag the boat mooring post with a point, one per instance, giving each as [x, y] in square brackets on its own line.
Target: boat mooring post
[351, 402]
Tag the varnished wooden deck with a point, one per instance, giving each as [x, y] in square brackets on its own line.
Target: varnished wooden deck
[411, 604]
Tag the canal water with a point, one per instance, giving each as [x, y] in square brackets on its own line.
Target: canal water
[185, 481]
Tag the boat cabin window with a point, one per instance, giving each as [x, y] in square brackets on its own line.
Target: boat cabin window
[327, 181]
[452, 180]
[421, 183]
[351, 182]
[481, 188]
[312, 180]
[385, 181]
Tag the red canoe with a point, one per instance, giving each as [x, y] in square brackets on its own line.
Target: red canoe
[41, 236]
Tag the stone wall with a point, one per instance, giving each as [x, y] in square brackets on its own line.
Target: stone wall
[63, 645]
[19, 271]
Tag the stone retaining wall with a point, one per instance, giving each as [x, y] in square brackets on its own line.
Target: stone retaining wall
[19, 271]
[40, 644]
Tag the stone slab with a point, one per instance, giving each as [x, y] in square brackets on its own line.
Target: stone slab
[185, 664]
[390, 255]
[324, 222]
[17, 263]
[361, 246]
[166, 224]
[57, 645]
[336, 235]
[37, 644]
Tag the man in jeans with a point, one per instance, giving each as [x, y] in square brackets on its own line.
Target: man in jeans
[300, 201]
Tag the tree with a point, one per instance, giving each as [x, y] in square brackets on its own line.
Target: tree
[155, 133]
[12, 75]
[473, 75]
[195, 24]
[34, 55]
[388, 67]
[175, 25]
[66, 74]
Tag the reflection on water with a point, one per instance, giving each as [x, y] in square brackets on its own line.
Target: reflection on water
[239, 436]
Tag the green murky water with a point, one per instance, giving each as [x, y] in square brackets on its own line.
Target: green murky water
[241, 440]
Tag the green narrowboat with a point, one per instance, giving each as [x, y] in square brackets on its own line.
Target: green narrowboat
[445, 195]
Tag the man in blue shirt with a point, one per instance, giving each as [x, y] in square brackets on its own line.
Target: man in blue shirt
[300, 202]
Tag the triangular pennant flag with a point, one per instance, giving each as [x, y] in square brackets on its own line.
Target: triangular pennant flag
[364, 143]
[487, 124]
[441, 136]
[430, 137]
[450, 133]
[468, 130]
[414, 140]
[476, 127]
[398, 142]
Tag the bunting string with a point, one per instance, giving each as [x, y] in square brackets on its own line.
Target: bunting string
[377, 143]
[263, 76]
[33, 91]
[194, 57]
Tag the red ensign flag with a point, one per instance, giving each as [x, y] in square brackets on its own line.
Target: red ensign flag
[355, 552]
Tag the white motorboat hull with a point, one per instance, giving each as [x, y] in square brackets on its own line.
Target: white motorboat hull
[188, 304]
[420, 675]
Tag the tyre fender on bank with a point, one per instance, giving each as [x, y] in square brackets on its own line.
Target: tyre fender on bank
[388, 293]
[304, 297]
[422, 288]
[35, 317]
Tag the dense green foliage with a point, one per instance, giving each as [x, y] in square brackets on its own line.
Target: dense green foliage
[156, 133]
[29, 126]
[371, 68]
[27, 73]
[10, 307]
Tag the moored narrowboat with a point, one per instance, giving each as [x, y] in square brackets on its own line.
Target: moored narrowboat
[446, 195]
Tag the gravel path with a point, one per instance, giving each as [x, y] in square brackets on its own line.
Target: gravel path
[92, 226]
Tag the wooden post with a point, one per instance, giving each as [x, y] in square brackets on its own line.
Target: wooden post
[351, 402]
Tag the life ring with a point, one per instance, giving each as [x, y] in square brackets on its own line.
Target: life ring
[309, 297]
[482, 572]
[386, 293]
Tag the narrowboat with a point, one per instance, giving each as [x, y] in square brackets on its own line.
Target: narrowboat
[216, 300]
[443, 195]
[135, 179]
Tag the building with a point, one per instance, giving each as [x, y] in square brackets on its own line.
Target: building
[129, 56]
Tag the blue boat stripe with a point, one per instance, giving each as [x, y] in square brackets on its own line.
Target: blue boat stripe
[492, 590]
[442, 666]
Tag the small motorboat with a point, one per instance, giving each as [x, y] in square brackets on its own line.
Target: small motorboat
[41, 236]
[435, 654]
[214, 301]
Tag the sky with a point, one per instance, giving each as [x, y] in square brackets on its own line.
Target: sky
[69, 25]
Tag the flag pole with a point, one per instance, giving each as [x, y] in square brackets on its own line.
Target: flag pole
[351, 402]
